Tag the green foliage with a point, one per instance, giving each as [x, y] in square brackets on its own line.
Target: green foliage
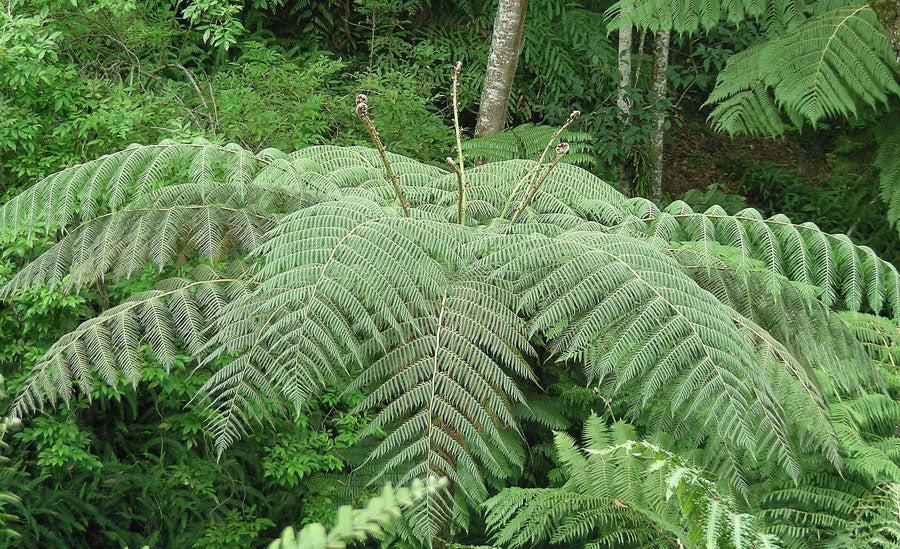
[288, 287]
[320, 278]
[360, 524]
[832, 65]
[6, 498]
[715, 194]
[528, 141]
[619, 492]
[821, 61]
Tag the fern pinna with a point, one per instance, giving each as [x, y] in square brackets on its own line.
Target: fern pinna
[703, 327]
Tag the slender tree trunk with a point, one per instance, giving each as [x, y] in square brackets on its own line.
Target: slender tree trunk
[640, 59]
[888, 14]
[501, 67]
[626, 176]
[660, 85]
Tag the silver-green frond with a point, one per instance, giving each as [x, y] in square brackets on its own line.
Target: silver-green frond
[176, 311]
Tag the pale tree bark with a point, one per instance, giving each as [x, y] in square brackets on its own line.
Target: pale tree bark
[626, 177]
[501, 67]
[660, 86]
[888, 14]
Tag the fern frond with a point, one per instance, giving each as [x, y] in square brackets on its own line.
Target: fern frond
[112, 181]
[171, 223]
[623, 309]
[799, 251]
[833, 64]
[877, 521]
[110, 343]
[742, 100]
[630, 494]
[445, 392]
[354, 525]
[337, 278]
[686, 16]
[791, 316]
[878, 335]
[887, 160]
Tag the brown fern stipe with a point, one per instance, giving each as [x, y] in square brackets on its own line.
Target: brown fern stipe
[362, 110]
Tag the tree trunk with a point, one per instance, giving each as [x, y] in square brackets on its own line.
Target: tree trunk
[660, 85]
[888, 14]
[501, 67]
[626, 176]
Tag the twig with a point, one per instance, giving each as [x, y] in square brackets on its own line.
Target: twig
[362, 110]
[530, 176]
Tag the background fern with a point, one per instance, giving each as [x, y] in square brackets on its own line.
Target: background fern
[527, 141]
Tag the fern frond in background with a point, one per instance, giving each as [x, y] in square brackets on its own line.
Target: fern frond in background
[526, 141]
[887, 160]
[833, 65]
[743, 101]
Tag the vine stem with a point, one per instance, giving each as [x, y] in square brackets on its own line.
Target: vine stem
[362, 110]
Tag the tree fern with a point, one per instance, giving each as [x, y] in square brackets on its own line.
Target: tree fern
[319, 278]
